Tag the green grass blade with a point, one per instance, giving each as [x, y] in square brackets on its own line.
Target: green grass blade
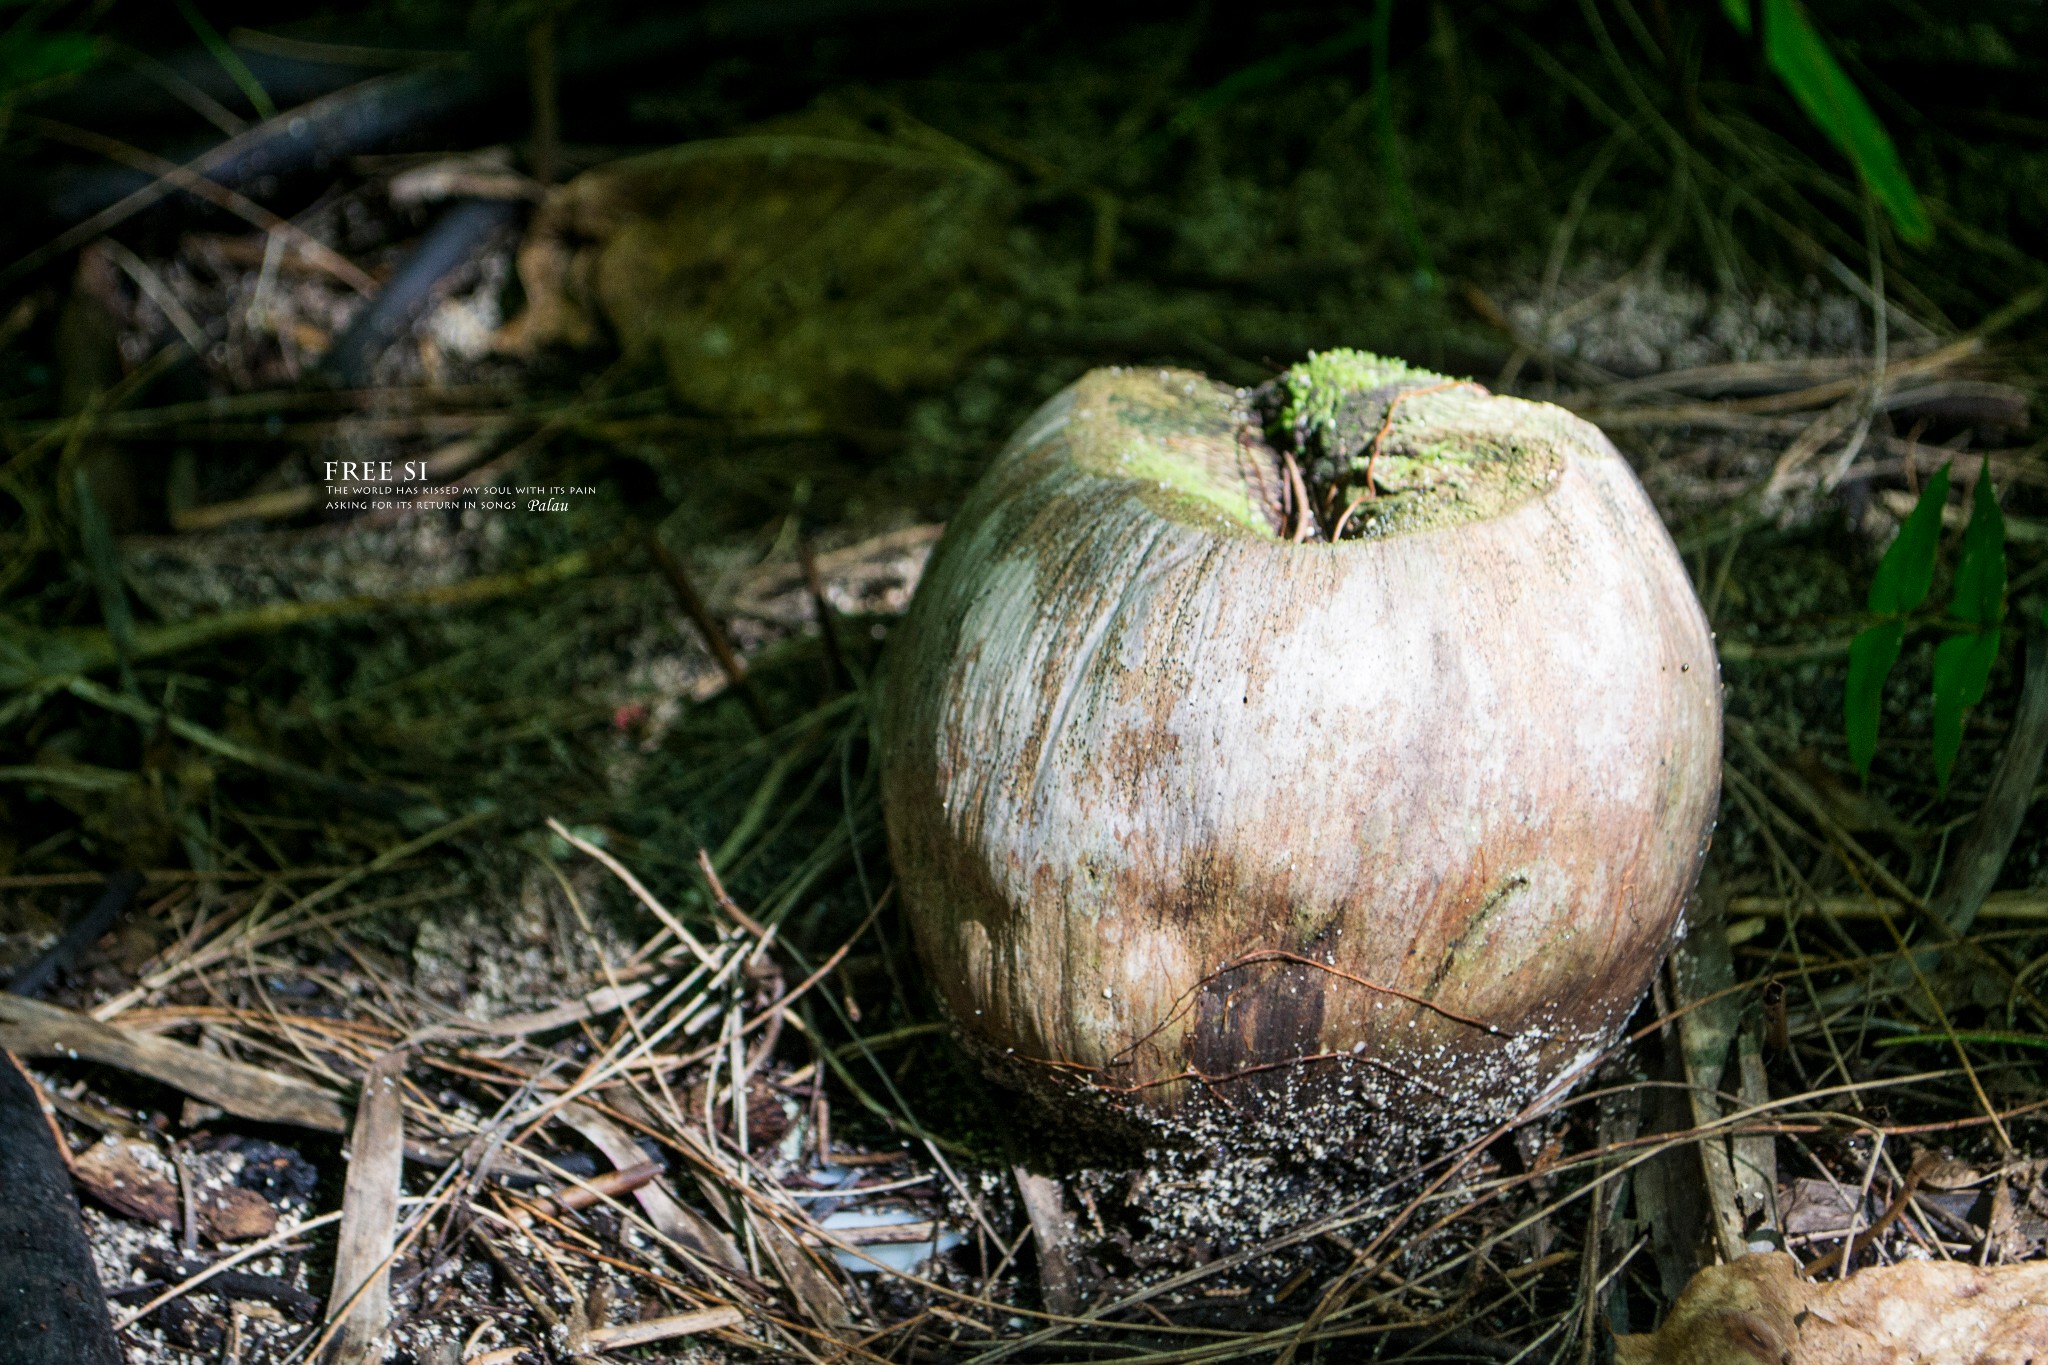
[1252, 79]
[230, 61]
[1795, 50]
[1989, 1038]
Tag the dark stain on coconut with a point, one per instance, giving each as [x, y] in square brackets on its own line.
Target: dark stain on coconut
[1251, 1018]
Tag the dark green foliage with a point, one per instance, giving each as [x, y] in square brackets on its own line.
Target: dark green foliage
[1962, 662]
[27, 58]
[1871, 656]
[1795, 50]
[1907, 570]
[1390, 145]
[1980, 566]
[1903, 578]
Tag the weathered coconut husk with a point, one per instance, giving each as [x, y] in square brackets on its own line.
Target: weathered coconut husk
[1382, 837]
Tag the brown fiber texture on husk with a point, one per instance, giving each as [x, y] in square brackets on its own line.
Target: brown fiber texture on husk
[1213, 827]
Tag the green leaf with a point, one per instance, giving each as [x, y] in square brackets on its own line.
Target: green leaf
[29, 58]
[1980, 566]
[1907, 570]
[1738, 15]
[1962, 666]
[1871, 656]
[1795, 50]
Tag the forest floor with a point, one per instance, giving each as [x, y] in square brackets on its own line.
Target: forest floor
[555, 801]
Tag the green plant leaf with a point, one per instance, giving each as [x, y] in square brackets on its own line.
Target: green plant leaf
[1796, 51]
[1979, 596]
[27, 58]
[1738, 15]
[1962, 666]
[1871, 656]
[1907, 570]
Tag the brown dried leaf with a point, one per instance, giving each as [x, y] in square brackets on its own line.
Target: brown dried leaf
[1760, 1310]
[1817, 1208]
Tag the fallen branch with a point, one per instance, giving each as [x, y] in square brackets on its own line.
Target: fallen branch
[34, 1029]
[1052, 1227]
[360, 1300]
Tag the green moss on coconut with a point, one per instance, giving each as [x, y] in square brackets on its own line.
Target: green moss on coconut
[1316, 389]
[1403, 449]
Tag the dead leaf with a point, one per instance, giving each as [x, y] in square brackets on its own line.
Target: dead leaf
[808, 273]
[1760, 1310]
[1818, 1208]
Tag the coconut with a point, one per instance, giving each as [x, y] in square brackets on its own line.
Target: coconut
[1323, 766]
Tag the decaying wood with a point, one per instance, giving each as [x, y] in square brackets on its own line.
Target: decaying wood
[35, 1029]
[124, 1174]
[1052, 1228]
[1760, 1310]
[361, 1297]
[1741, 1175]
[52, 1311]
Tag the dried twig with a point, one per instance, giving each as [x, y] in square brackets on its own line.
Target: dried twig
[35, 1029]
